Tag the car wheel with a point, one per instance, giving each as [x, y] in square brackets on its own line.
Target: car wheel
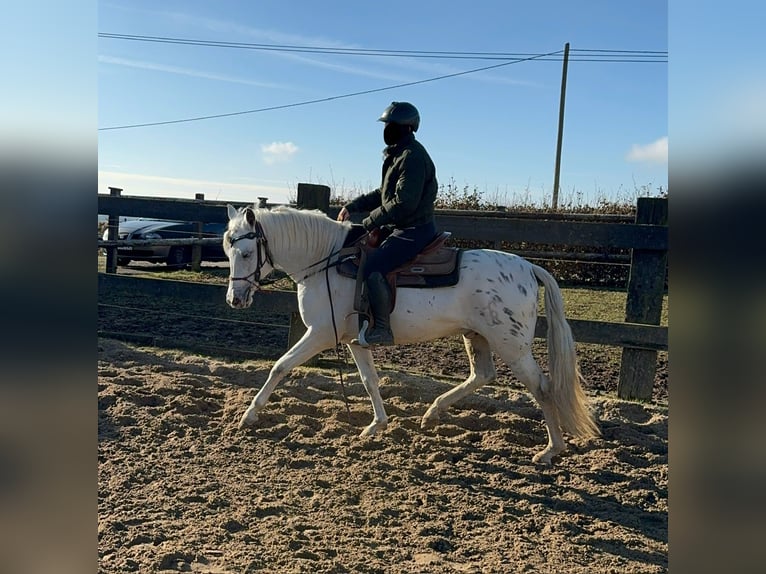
[123, 261]
[179, 257]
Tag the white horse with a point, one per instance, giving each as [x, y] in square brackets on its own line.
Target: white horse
[493, 306]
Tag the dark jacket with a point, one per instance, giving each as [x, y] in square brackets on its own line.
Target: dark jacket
[408, 190]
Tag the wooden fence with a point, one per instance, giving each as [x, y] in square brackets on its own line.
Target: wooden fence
[640, 336]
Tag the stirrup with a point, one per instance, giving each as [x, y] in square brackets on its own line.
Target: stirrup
[361, 340]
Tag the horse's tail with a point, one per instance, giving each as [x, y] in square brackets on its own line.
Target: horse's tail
[566, 391]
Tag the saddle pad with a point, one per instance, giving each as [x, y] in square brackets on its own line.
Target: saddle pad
[438, 262]
[439, 268]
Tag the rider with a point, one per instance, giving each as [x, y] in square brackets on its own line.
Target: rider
[404, 202]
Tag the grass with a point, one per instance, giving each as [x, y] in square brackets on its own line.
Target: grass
[593, 304]
[211, 274]
[600, 363]
[601, 304]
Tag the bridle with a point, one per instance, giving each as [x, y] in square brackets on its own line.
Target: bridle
[263, 256]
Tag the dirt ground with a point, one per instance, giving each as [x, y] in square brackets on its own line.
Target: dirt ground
[181, 489]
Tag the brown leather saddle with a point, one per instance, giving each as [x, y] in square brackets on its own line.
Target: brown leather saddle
[435, 266]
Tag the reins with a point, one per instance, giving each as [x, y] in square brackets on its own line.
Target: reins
[338, 345]
[337, 342]
[254, 279]
[323, 260]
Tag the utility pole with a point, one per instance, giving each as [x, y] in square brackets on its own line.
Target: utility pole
[561, 128]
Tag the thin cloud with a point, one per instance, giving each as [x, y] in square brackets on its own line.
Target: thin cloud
[149, 185]
[389, 69]
[172, 185]
[185, 72]
[655, 152]
[413, 65]
[278, 152]
[229, 29]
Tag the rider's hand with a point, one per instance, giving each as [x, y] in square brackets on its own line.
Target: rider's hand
[343, 214]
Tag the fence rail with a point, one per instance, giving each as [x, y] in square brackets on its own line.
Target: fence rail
[648, 337]
[471, 225]
[640, 335]
[161, 241]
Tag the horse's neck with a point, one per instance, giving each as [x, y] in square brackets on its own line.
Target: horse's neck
[305, 246]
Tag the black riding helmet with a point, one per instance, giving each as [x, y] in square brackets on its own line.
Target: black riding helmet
[402, 113]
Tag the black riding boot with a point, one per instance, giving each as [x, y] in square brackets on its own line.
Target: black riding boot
[380, 305]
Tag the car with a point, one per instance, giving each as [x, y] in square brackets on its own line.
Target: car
[178, 256]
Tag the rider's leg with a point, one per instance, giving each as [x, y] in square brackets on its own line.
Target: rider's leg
[379, 295]
[401, 246]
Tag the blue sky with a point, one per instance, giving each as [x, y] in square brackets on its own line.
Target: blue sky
[494, 131]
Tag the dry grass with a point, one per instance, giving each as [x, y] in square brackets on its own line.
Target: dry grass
[597, 304]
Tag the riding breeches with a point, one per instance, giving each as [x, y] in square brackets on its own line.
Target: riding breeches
[399, 248]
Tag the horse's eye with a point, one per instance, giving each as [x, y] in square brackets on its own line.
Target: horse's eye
[246, 255]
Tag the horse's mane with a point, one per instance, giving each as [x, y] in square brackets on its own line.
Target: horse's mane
[301, 231]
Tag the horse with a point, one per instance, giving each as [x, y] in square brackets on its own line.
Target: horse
[493, 306]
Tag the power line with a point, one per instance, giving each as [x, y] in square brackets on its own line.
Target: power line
[508, 58]
[585, 55]
[328, 99]
[622, 51]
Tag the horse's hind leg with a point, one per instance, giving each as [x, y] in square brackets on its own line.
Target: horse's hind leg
[528, 371]
[482, 372]
[370, 380]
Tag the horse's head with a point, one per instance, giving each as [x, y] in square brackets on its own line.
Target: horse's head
[250, 261]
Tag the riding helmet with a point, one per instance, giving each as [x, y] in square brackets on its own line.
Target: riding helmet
[402, 113]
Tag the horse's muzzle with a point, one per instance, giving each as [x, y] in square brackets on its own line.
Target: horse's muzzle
[241, 300]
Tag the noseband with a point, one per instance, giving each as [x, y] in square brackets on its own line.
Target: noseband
[260, 239]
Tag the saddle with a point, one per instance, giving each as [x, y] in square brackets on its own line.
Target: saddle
[435, 266]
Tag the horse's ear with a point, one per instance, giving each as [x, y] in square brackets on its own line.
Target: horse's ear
[232, 211]
[250, 216]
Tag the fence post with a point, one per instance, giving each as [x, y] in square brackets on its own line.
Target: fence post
[646, 285]
[313, 196]
[196, 253]
[310, 196]
[113, 225]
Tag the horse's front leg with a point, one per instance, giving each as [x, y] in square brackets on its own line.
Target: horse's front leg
[309, 345]
[370, 380]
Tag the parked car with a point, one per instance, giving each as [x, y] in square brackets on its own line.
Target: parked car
[174, 255]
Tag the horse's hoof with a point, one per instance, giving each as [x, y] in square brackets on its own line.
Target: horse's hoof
[546, 456]
[429, 422]
[430, 419]
[248, 419]
[543, 458]
[373, 428]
